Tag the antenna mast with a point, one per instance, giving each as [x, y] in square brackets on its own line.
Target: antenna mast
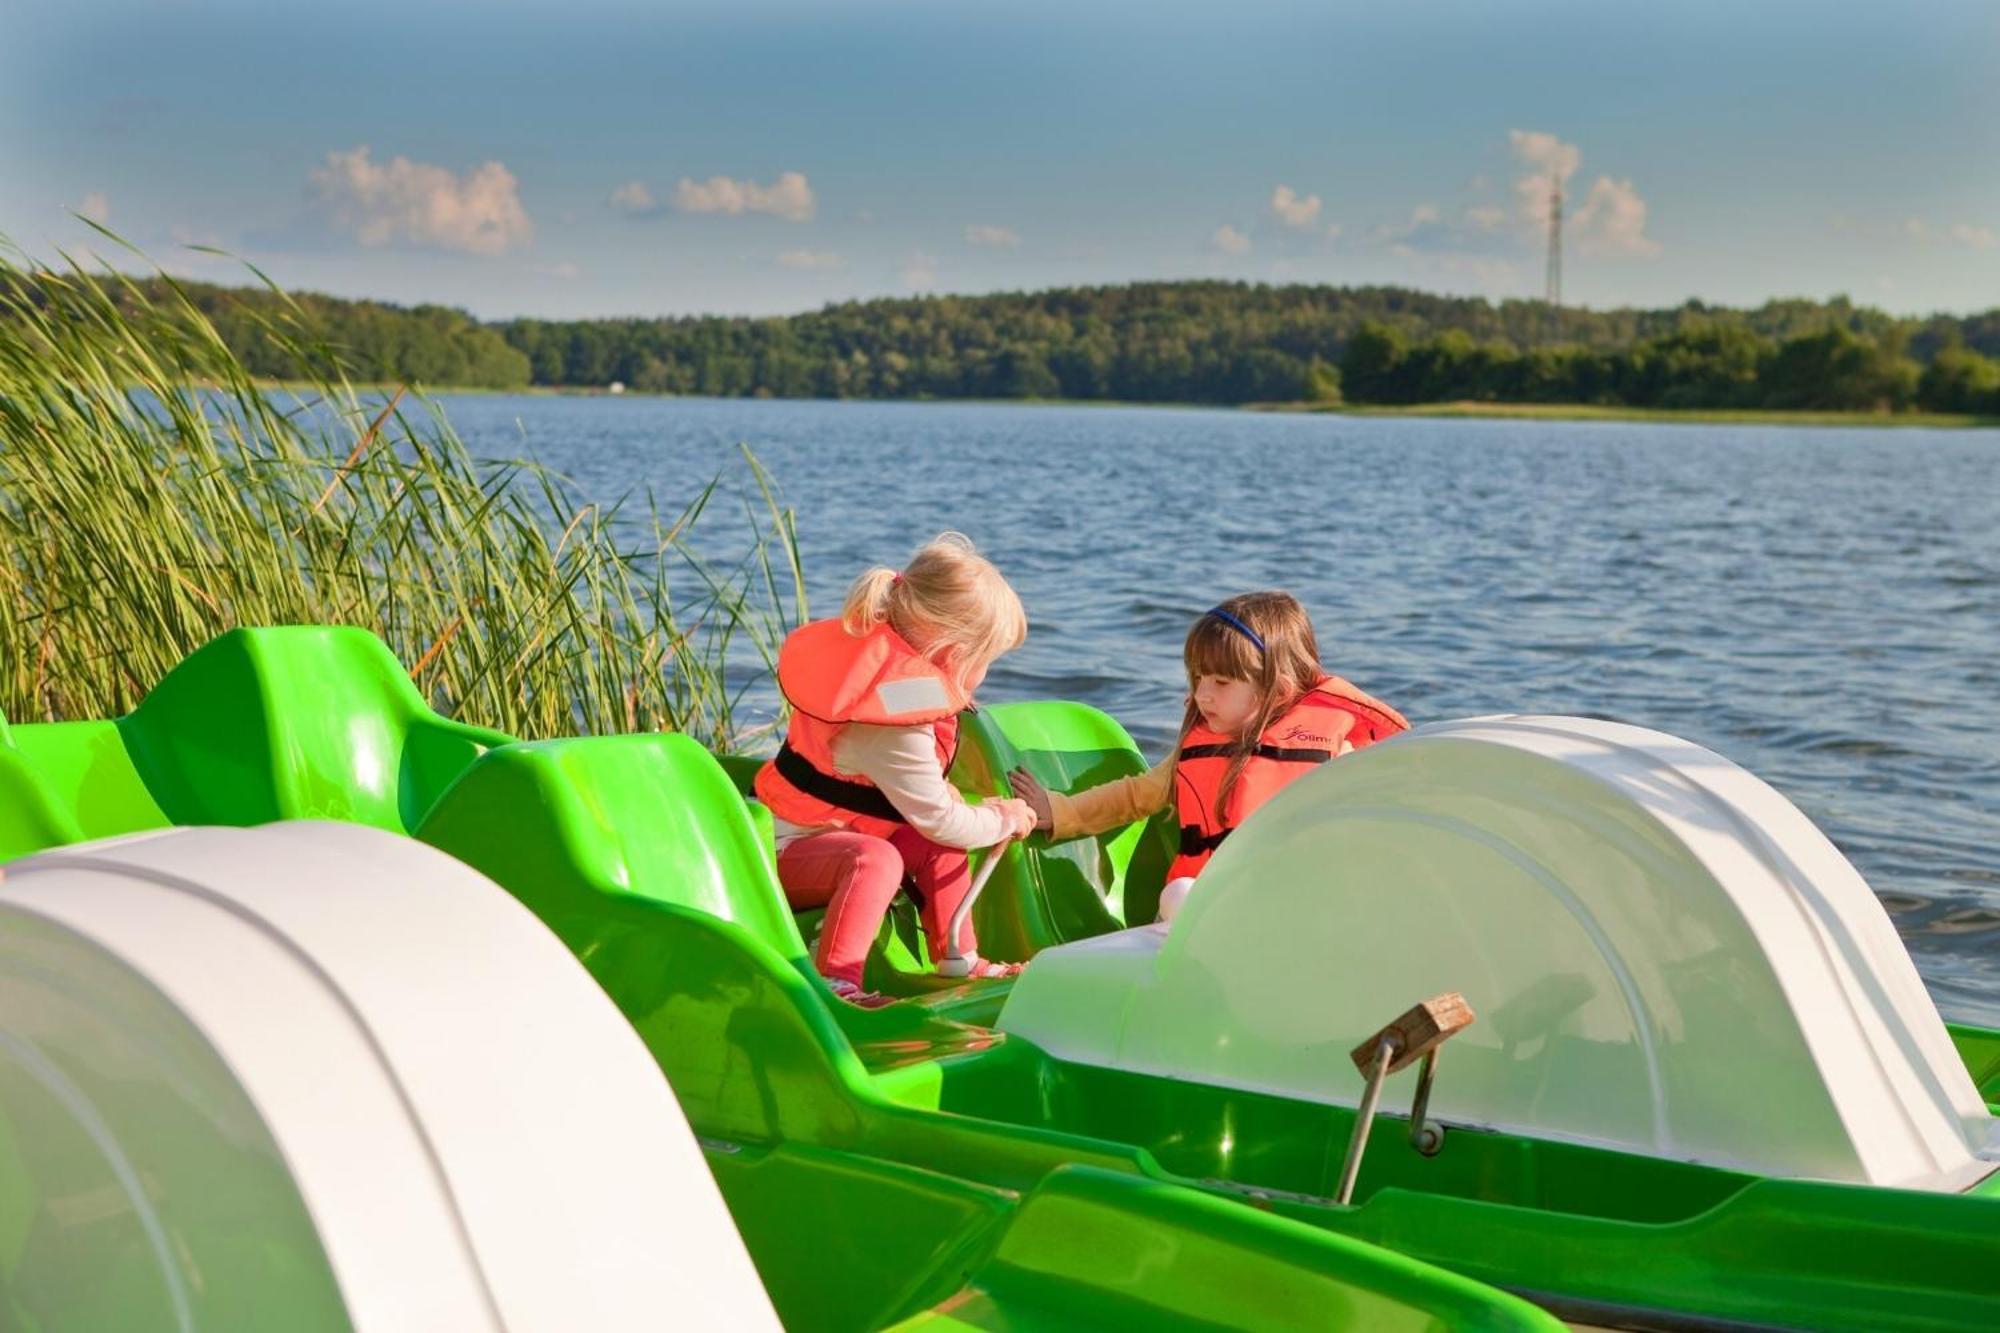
[1554, 295]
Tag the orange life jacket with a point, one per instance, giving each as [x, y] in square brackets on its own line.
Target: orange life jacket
[832, 678]
[1329, 719]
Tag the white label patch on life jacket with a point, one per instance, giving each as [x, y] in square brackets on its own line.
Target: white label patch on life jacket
[918, 694]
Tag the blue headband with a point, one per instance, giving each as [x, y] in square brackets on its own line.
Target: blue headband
[1238, 626]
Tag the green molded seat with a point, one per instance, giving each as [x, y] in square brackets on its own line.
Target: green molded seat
[640, 853]
[654, 816]
[1045, 894]
[297, 722]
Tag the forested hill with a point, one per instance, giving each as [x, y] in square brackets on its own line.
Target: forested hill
[1213, 342]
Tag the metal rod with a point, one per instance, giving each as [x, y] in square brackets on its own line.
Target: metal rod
[1364, 1119]
[1425, 1137]
[954, 963]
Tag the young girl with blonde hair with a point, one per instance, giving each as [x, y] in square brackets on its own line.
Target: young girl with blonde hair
[858, 790]
[1261, 713]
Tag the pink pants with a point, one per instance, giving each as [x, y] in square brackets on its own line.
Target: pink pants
[855, 877]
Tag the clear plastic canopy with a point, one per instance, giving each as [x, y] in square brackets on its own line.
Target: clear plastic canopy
[1665, 957]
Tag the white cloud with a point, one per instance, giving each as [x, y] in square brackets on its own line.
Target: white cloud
[1332, 232]
[95, 207]
[788, 197]
[1293, 209]
[1550, 162]
[1422, 217]
[1229, 241]
[633, 197]
[919, 272]
[1916, 229]
[992, 238]
[810, 259]
[1485, 217]
[1979, 238]
[416, 203]
[1612, 220]
[563, 269]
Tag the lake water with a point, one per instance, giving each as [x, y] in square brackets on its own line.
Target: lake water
[1821, 606]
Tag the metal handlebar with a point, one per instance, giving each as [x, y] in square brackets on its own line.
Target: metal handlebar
[955, 964]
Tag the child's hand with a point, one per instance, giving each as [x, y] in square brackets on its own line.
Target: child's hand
[1018, 817]
[1034, 795]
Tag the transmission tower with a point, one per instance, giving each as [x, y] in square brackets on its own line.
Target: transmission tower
[1554, 295]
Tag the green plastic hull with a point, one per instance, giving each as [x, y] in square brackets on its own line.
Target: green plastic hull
[911, 1163]
[309, 723]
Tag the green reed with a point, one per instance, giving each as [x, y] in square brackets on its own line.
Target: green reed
[153, 495]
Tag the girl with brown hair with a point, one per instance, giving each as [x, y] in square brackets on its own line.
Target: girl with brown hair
[1261, 713]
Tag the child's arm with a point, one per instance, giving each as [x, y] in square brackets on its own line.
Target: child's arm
[903, 762]
[1107, 806]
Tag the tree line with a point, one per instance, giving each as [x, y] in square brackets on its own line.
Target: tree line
[1193, 342]
[1706, 363]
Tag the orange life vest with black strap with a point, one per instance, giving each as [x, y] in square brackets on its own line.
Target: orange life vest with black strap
[1329, 719]
[831, 679]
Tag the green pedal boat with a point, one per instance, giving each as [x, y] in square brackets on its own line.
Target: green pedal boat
[1701, 1086]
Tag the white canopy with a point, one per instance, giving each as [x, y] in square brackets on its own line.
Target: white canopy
[1665, 957]
[319, 1076]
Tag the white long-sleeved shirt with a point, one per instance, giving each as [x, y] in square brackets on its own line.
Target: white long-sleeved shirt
[903, 762]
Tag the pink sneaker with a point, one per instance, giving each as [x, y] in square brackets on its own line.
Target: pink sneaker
[854, 995]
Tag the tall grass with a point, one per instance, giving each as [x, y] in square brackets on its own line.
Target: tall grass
[152, 495]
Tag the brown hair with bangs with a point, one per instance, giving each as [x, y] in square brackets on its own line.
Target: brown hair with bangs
[1282, 670]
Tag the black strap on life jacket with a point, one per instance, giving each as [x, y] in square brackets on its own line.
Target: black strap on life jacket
[1194, 842]
[858, 797]
[1281, 753]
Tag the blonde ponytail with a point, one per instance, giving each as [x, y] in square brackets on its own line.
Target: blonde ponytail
[948, 603]
[868, 600]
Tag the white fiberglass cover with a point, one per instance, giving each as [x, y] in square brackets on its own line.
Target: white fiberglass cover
[1664, 955]
[317, 1076]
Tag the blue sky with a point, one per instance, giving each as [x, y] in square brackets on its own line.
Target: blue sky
[602, 158]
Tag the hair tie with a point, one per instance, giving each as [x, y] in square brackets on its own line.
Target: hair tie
[896, 578]
[1237, 625]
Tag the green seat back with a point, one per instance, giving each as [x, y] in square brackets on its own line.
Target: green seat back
[1045, 894]
[298, 722]
[560, 823]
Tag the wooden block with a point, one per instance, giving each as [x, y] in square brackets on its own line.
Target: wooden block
[1416, 1033]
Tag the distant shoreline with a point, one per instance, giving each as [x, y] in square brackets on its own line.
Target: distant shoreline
[1463, 409]
[1682, 416]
